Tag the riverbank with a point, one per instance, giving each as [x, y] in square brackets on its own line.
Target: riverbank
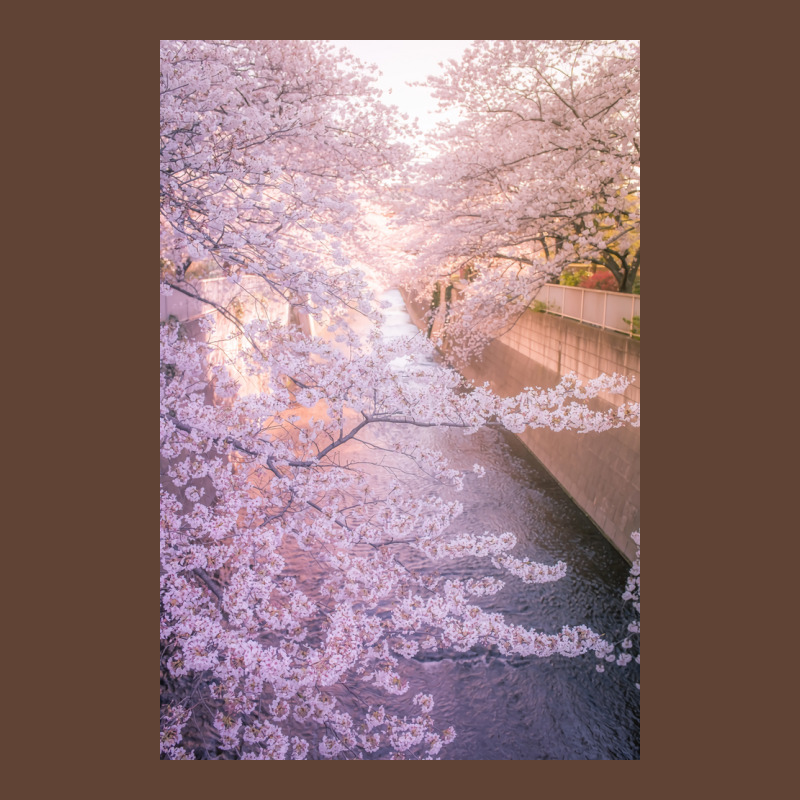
[599, 471]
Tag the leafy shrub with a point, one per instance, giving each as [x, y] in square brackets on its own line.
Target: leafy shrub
[636, 326]
[573, 277]
[600, 280]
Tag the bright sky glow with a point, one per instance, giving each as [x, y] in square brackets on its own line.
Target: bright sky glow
[402, 60]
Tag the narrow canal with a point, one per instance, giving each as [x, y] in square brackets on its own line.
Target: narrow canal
[515, 707]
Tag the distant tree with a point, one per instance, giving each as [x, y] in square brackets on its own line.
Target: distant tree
[600, 280]
[620, 251]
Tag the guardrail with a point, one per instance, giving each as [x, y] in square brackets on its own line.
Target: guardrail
[608, 310]
[220, 290]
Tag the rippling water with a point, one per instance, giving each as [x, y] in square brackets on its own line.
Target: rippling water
[514, 707]
[510, 707]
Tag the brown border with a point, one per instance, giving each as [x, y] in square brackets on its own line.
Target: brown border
[486, 773]
[115, 116]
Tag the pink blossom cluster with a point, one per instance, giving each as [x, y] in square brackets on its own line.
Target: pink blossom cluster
[282, 572]
[623, 652]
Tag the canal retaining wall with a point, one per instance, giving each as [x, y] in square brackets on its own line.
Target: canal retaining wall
[600, 471]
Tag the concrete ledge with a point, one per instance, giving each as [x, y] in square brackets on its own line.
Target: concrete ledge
[599, 471]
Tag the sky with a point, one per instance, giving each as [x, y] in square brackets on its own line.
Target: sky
[402, 60]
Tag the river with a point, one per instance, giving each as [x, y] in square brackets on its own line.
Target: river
[503, 707]
[515, 707]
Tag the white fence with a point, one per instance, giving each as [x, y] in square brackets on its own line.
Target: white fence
[220, 290]
[608, 310]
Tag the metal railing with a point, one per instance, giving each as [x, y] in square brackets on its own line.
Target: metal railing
[607, 310]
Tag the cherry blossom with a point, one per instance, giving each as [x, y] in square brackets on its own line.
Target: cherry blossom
[293, 524]
[542, 171]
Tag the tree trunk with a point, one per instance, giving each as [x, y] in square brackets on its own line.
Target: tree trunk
[630, 280]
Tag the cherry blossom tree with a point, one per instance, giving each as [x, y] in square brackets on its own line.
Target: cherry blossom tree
[267, 150]
[293, 546]
[542, 171]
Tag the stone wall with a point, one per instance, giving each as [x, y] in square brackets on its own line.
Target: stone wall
[600, 471]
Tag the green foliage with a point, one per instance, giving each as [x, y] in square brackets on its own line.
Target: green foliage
[572, 276]
[635, 326]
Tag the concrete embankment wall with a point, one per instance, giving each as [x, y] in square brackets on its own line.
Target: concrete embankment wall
[600, 471]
